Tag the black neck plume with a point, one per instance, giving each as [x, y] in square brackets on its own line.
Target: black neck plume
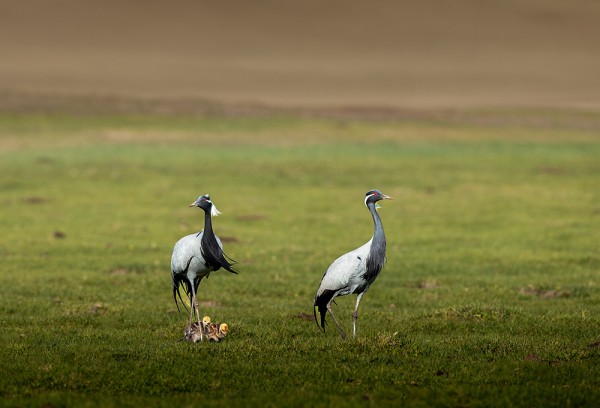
[211, 251]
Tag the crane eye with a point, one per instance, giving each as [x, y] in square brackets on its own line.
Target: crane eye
[203, 199]
[375, 193]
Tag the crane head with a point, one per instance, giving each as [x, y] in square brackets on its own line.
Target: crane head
[206, 320]
[204, 202]
[373, 196]
[223, 328]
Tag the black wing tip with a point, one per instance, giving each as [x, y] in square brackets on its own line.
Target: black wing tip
[321, 303]
[317, 320]
[322, 313]
[176, 293]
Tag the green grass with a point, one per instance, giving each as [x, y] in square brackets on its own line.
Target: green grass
[490, 296]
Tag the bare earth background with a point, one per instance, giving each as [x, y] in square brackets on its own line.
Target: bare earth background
[375, 56]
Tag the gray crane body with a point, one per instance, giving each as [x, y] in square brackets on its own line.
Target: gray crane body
[355, 271]
[345, 275]
[187, 259]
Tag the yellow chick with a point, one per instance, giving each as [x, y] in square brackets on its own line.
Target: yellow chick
[205, 330]
[217, 331]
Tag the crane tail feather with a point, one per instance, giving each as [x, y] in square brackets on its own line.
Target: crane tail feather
[178, 282]
[316, 320]
[321, 302]
[177, 293]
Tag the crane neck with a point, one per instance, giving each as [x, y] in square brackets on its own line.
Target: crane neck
[208, 230]
[378, 233]
[376, 257]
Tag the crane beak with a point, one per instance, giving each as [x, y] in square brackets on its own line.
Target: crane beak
[383, 197]
[194, 204]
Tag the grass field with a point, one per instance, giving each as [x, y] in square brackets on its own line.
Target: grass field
[490, 295]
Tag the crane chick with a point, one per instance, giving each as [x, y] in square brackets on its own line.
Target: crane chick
[216, 331]
[205, 331]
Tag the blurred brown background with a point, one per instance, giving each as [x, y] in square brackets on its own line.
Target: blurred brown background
[426, 54]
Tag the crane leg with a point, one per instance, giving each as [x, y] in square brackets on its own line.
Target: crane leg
[191, 309]
[355, 314]
[195, 305]
[335, 320]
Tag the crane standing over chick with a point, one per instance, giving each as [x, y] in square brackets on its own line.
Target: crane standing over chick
[195, 256]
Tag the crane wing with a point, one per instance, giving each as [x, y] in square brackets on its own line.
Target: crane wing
[344, 274]
[185, 249]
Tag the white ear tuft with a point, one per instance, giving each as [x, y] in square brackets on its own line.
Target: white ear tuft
[213, 211]
[367, 197]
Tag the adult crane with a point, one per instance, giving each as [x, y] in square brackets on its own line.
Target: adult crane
[354, 272]
[195, 256]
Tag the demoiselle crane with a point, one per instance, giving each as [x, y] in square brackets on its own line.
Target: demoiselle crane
[195, 256]
[354, 272]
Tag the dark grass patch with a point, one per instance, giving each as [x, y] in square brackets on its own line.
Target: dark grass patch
[476, 313]
[304, 316]
[423, 284]
[209, 303]
[35, 200]
[544, 293]
[552, 171]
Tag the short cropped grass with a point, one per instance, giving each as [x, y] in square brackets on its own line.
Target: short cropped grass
[490, 295]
